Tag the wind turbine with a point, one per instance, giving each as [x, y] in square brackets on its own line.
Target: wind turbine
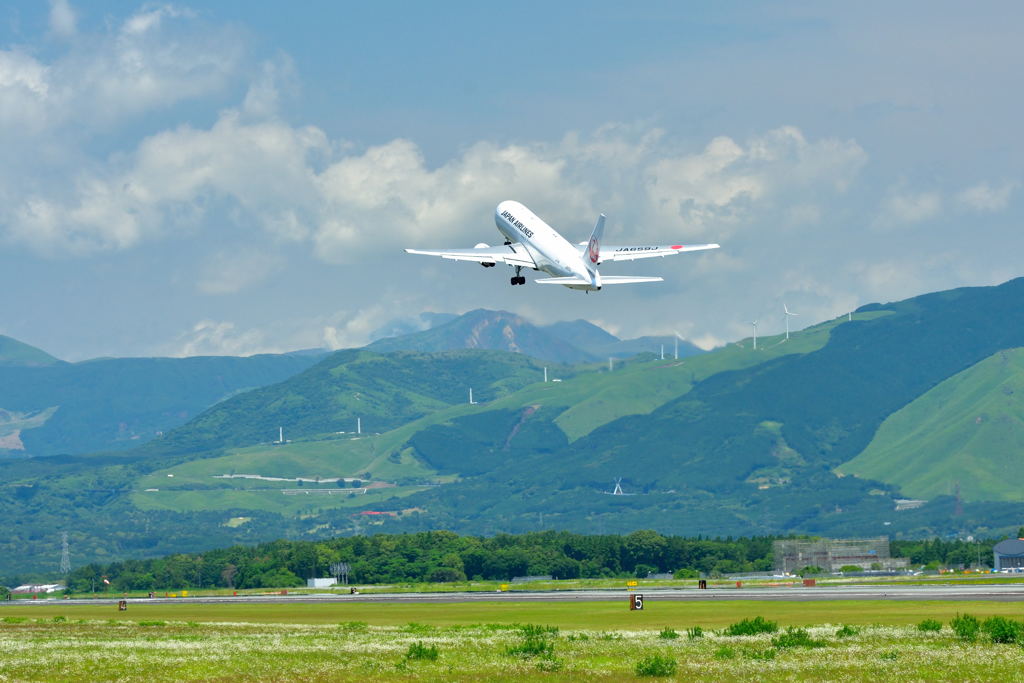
[788, 314]
[678, 337]
[754, 323]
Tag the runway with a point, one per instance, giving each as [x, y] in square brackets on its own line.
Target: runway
[946, 592]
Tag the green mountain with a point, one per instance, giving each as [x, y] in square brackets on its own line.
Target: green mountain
[734, 441]
[16, 353]
[753, 450]
[119, 403]
[965, 434]
[383, 391]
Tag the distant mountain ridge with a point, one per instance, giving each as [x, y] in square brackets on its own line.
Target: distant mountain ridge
[16, 353]
[119, 403]
[576, 341]
[822, 433]
[484, 329]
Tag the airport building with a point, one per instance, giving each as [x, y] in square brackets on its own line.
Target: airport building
[831, 554]
[1008, 554]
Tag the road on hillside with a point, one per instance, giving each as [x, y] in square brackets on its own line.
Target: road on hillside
[993, 592]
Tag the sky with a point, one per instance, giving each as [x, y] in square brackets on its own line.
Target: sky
[237, 177]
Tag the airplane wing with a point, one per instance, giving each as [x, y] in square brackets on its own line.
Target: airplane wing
[512, 254]
[605, 280]
[611, 252]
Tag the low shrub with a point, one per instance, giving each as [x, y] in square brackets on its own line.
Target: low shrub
[420, 651]
[796, 637]
[847, 631]
[668, 634]
[930, 626]
[725, 652]
[537, 630]
[531, 647]
[60, 620]
[535, 642]
[656, 665]
[1002, 630]
[152, 623]
[413, 627]
[751, 627]
[15, 620]
[695, 633]
[763, 655]
[965, 626]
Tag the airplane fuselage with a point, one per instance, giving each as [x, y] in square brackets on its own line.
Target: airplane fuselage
[552, 253]
[533, 244]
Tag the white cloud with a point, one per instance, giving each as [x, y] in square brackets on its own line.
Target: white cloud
[213, 338]
[707, 341]
[906, 208]
[155, 58]
[171, 177]
[62, 18]
[24, 91]
[296, 184]
[720, 185]
[986, 197]
[351, 330]
[149, 19]
[231, 272]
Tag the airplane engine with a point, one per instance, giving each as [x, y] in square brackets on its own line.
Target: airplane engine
[485, 264]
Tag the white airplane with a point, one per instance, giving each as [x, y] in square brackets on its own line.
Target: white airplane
[532, 243]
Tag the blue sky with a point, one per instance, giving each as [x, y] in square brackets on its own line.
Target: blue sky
[235, 178]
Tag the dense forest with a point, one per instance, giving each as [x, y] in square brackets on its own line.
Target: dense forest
[443, 556]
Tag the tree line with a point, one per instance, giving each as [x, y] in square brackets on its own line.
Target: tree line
[443, 556]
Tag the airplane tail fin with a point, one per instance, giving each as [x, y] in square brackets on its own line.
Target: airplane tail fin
[593, 255]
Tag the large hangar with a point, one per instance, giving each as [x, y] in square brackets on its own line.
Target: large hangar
[1008, 554]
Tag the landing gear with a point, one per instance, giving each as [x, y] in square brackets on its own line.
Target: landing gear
[518, 279]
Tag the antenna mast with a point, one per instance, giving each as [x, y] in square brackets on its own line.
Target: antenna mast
[65, 554]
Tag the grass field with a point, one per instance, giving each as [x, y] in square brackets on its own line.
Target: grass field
[569, 642]
[583, 615]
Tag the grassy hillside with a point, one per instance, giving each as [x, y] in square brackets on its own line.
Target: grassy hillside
[459, 440]
[754, 448]
[14, 352]
[384, 391]
[968, 430]
[735, 441]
